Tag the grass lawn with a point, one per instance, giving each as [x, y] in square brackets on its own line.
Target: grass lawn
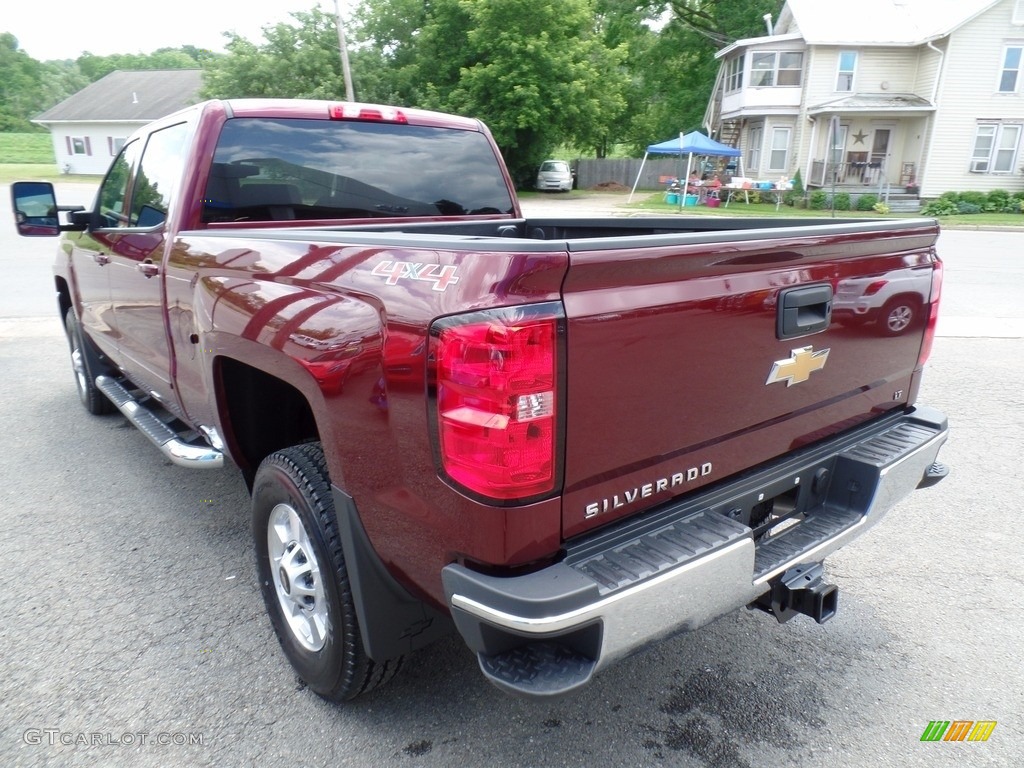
[40, 172]
[655, 203]
[26, 148]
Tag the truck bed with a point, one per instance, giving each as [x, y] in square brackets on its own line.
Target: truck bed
[672, 329]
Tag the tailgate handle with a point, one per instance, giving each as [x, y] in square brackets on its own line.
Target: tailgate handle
[803, 310]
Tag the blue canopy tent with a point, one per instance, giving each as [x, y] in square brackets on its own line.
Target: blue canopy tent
[690, 144]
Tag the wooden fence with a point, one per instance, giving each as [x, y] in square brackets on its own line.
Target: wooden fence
[657, 172]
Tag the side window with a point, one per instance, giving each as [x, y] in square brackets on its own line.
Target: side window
[1009, 76]
[847, 69]
[114, 190]
[162, 164]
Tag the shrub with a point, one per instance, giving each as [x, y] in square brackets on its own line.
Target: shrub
[881, 208]
[940, 207]
[998, 197]
[952, 197]
[798, 182]
[964, 207]
[998, 201]
[867, 202]
[841, 201]
[973, 198]
[818, 200]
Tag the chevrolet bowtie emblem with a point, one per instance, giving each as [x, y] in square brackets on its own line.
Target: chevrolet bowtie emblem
[799, 367]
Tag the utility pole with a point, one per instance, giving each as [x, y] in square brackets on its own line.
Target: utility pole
[345, 71]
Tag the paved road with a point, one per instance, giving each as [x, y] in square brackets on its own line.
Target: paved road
[132, 613]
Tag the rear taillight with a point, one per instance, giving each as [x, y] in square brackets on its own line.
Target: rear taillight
[933, 315]
[875, 287]
[495, 401]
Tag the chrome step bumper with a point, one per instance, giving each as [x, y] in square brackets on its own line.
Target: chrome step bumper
[681, 566]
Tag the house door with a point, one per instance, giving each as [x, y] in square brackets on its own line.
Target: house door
[879, 153]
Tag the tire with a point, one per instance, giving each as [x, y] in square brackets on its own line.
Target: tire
[305, 585]
[86, 365]
[898, 316]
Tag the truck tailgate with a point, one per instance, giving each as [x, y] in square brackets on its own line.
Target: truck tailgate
[678, 377]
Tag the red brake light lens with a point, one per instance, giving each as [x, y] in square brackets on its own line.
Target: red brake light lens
[933, 315]
[875, 287]
[349, 111]
[496, 400]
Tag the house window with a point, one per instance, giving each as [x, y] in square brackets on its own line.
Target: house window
[78, 146]
[114, 145]
[734, 74]
[776, 68]
[847, 68]
[995, 148]
[754, 153]
[791, 67]
[778, 159]
[1009, 78]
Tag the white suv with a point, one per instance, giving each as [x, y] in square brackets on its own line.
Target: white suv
[893, 301]
[554, 175]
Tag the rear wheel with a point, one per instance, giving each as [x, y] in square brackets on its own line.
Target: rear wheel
[303, 577]
[86, 365]
[898, 316]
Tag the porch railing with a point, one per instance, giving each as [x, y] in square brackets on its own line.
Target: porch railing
[868, 174]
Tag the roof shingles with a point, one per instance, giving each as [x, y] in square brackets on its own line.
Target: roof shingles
[137, 96]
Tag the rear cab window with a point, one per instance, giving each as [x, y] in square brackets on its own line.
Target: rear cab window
[273, 169]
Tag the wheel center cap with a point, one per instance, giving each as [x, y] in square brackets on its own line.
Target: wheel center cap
[285, 584]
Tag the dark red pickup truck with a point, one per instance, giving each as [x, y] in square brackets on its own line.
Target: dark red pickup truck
[564, 438]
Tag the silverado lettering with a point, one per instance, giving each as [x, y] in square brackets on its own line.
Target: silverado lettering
[452, 418]
[648, 489]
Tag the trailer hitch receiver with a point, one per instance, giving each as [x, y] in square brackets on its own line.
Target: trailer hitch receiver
[801, 589]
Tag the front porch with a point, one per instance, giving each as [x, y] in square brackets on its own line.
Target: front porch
[861, 174]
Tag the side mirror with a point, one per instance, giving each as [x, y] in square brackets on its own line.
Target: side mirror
[36, 212]
[35, 209]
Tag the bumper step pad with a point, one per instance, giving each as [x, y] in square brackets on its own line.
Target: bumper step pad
[537, 670]
[659, 550]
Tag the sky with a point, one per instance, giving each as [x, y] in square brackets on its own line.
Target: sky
[63, 29]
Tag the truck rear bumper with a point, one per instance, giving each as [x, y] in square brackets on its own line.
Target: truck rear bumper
[681, 566]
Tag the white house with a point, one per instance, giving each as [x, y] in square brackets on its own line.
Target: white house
[90, 127]
[879, 95]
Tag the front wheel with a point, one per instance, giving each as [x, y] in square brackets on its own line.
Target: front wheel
[86, 365]
[303, 577]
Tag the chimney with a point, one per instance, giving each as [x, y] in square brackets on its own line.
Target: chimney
[768, 24]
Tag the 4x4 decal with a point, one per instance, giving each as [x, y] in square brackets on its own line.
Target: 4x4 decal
[440, 277]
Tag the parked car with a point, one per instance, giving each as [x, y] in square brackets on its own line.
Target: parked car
[554, 175]
[894, 301]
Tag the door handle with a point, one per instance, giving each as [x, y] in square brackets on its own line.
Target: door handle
[101, 258]
[148, 268]
[803, 310]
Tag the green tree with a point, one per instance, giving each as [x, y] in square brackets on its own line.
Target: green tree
[187, 57]
[58, 80]
[539, 74]
[293, 61]
[673, 71]
[19, 86]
